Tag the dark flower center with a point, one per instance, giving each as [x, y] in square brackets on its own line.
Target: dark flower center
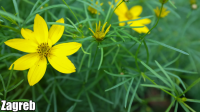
[43, 49]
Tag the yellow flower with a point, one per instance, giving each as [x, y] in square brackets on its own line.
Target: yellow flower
[93, 10]
[124, 14]
[99, 35]
[38, 44]
[163, 13]
[193, 2]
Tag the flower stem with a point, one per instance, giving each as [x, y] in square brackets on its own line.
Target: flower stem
[74, 16]
[95, 54]
[147, 50]
[142, 40]
[114, 11]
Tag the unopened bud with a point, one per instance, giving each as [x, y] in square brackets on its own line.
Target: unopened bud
[163, 1]
[192, 1]
[184, 99]
[80, 25]
[194, 6]
[125, 0]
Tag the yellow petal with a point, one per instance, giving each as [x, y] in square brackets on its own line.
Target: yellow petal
[61, 64]
[92, 31]
[28, 34]
[141, 30]
[65, 49]
[37, 71]
[56, 31]
[25, 62]
[99, 26]
[165, 13]
[22, 45]
[121, 9]
[136, 10]
[103, 27]
[144, 29]
[144, 21]
[157, 11]
[122, 18]
[40, 29]
[96, 29]
[107, 29]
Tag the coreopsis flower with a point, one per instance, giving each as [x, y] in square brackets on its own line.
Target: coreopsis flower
[100, 34]
[163, 13]
[39, 44]
[124, 14]
[93, 10]
[193, 4]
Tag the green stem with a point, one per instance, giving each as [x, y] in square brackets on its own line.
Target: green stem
[114, 11]
[160, 88]
[95, 54]
[142, 38]
[147, 50]
[71, 10]
[132, 45]
[74, 16]
[136, 59]
[93, 61]
[8, 82]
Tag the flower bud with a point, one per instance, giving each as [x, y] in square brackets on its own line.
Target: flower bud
[126, 0]
[163, 1]
[193, 4]
[184, 99]
[192, 1]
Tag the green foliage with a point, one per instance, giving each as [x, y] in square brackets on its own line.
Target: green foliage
[126, 72]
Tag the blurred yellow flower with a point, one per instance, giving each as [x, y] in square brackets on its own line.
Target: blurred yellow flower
[193, 4]
[99, 35]
[124, 14]
[93, 10]
[38, 44]
[163, 13]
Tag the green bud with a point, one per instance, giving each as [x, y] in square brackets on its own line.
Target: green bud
[125, 0]
[184, 99]
[192, 1]
[163, 1]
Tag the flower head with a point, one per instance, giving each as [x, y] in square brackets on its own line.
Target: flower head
[39, 44]
[163, 1]
[193, 4]
[100, 34]
[93, 10]
[124, 14]
[163, 13]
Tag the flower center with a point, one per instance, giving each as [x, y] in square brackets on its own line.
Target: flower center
[99, 35]
[43, 49]
[129, 15]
